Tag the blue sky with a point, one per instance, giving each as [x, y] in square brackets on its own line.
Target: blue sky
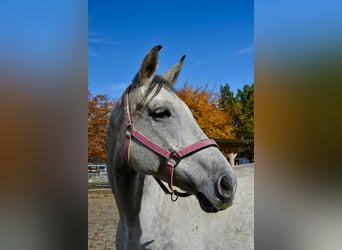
[216, 37]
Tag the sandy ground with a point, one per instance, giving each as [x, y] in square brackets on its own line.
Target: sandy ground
[103, 218]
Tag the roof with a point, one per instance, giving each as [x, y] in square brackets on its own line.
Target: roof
[232, 144]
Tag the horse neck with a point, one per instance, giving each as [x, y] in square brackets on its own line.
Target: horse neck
[127, 184]
[128, 194]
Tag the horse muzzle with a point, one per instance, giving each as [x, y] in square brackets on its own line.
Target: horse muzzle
[223, 196]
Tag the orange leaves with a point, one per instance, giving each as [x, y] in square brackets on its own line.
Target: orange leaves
[99, 109]
[204, 105]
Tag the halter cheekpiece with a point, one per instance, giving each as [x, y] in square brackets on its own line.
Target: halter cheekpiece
[172, 158]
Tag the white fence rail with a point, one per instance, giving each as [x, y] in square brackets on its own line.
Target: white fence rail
[97, 175]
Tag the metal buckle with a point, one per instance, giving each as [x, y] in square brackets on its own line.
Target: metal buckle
[175, 158]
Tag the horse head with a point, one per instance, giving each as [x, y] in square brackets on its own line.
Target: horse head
[160, 126]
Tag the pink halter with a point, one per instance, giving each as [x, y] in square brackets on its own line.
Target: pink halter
[173, 158]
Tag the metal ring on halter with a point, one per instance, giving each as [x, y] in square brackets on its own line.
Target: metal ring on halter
[174, 192]
[175, 158]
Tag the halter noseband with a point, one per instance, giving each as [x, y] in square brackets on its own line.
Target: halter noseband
[173, 158]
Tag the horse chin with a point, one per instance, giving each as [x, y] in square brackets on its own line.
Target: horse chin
[208, 206]
[205, 204]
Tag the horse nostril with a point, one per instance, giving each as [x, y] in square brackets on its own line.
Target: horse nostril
[225, 188]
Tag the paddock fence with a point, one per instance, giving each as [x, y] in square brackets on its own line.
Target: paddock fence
[97, 176]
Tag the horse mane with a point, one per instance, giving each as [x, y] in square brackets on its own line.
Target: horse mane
[158, 83]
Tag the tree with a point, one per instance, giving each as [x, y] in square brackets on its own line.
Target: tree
[241, 110]
[204, 105]
[99, 109]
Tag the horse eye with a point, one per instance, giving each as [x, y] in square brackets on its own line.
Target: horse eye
[161, 113]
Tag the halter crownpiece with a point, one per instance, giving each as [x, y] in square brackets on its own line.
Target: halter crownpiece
[173, 158]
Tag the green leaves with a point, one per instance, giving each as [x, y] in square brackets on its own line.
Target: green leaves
[241, 110]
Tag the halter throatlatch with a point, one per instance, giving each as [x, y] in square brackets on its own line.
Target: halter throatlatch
[172, 158]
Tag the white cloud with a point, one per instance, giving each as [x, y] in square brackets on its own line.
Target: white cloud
[92, 53]
[246, 50]
[102, 41]
[100, 46]
[119, 86]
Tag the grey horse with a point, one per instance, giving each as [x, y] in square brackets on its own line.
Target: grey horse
[157, 151]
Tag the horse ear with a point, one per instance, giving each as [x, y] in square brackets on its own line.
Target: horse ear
[149, 66]
[172, 74]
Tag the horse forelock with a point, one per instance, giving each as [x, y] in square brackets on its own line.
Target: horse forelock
[154, 88]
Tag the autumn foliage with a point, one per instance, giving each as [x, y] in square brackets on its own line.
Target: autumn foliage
[99, 109]
[204, 105]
